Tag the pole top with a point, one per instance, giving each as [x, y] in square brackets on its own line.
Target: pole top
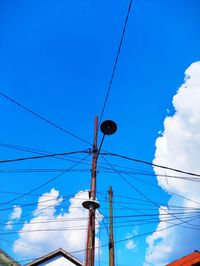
[110, 191]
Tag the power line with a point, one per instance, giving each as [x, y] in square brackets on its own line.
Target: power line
[44, 201]
[118, 202]
[22, 245]
[144, 219]
[37, 151]
[36, 203]
[173, 193]
[36, 211]
[104, 224]
[45, 170]
[157, 187]
[159, 230]
[116, 61]
[154, 203]
[21, 193]
[100, 193]
[142, 216]
[45, 183]
[141, 193]
[145, 201]
[149, 163]
[84, 227]
[100, 170]
[28, 149]
[125, 239]
[195, 179]
[135, 172]
[43, 118]
[41, 156]
[121, 217]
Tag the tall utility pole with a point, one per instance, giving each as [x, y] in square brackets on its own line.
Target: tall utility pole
[111, 238]
[108, 127]
[92, 204]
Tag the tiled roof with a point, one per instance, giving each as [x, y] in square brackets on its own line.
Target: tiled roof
[189, 260]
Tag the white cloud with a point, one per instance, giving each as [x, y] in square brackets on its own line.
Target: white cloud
[15, 215]
[178, 147]
[130, 244]
[70, 224]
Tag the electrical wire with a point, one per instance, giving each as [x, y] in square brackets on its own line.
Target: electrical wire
[142, 194]
[55, 170]
[21, 148]
[37, 151]
[43, 118]
[120, 218]
[33, 150]
[116, 61]
[49, 206]
[141, 201]
[44, 184]
[173, 193]
[41, 156]
[104, 224]
[35, 203]
[121, 240]
[36, 211]
[135, 172]
[22, 245]
[158, 230]
[99, 228]
[149, 163]
[100, 170]
[84, 227]
[185, 178]
[173, 214]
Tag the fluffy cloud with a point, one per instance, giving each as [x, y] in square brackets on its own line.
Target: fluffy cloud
[15, 215]
[70, 226]
[179, 147]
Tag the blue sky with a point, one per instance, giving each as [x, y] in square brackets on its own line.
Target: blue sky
[56, 58]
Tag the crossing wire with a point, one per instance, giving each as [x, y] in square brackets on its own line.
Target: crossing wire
[43, 118]
[141, 193]
[41, 156]
[45, 183]
[124, 239]
[149, 163]
[81, 228]
[116, 61]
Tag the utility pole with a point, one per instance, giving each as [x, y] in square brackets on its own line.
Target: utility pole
[108, 127]
[111, 238]
[92, 204]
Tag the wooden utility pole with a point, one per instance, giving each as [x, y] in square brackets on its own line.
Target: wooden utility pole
[92, 204]
[111, 238]
[108, 127]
